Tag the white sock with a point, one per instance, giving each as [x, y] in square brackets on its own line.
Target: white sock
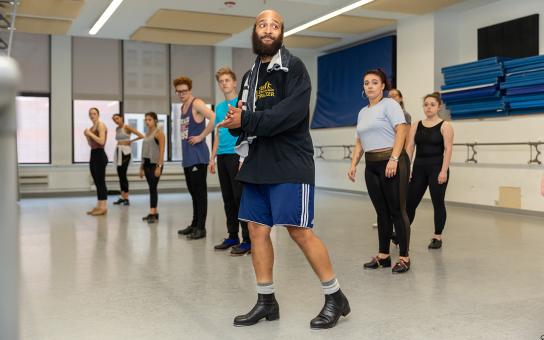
[330, 287]
[265, 288]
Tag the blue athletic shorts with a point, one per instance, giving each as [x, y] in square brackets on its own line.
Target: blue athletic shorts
[286, 204]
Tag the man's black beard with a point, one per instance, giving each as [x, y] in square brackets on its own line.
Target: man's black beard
[264, 50]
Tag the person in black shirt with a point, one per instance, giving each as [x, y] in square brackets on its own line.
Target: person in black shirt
[278, 171]
[433, 140]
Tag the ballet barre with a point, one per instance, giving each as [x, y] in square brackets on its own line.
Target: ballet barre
[347, 149]
[533, 146]
[471, 150]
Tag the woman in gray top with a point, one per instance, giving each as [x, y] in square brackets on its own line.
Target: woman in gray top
[123, 154]
[381, 133]
[152, 162]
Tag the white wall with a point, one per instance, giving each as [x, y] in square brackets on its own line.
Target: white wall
[425, 44]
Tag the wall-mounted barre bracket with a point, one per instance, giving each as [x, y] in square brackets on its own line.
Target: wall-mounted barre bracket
[319, 152]
[471, 148]
[347, 152]
[536, 159]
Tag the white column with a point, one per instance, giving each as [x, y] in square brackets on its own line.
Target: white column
[9, 230]
[222, 58]
[61, 100]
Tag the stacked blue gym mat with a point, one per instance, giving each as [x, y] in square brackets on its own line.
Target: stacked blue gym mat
[472, 90]
[524, 85]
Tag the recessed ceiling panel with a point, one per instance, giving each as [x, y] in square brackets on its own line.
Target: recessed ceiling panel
[42, 26]
[68, 9]
[201, 22]
[304, 41]
[410, 6]
[169, 36]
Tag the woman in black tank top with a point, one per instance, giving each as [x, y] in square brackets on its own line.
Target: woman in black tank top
[433, 140]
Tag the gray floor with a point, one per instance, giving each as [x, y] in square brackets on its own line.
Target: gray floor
[115, 277]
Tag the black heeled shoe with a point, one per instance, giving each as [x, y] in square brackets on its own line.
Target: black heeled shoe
[145, 218]
[152, 218]
[377, 262]
[435, 244]
[401, 267]
[197, 234]
[336, 305]
[266, 308]
[187, 231]
[121, 200]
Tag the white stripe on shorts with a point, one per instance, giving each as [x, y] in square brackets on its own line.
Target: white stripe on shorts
[305, 205]
[302, 203]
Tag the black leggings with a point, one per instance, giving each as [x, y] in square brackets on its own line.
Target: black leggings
[122, 173]
[152, 182]
[388, 196]
[97, 164]
[424, 176]
[195, 176]
[231, 189]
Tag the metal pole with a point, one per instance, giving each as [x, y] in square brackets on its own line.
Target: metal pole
[12, 28]
[9, 228]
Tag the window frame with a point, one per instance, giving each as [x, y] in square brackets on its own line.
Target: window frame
[39, 95]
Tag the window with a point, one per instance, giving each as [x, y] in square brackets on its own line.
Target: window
[81, 120]
[136, 120]
[175, 129]
[33, 130]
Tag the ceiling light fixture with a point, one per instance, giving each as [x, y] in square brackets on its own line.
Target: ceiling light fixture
[105, 16]
[327, 17]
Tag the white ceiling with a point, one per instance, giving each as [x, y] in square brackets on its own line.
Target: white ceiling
[133, 14]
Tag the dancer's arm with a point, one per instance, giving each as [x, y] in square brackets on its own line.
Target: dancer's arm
[162, 139]
[101, 138]
[214, 151]
[447, 133]
[357, 154]
[206, 112]
[410, 142]
[136, 132]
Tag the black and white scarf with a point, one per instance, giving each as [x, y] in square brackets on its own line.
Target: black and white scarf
[279, 62]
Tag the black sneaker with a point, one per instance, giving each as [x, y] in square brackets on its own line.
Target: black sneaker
[227, 243]
[242, 249]
[435, 244]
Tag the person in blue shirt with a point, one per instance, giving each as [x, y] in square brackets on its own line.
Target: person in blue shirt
[228, 163]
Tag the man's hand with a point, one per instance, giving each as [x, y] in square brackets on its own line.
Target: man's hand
[234, 118]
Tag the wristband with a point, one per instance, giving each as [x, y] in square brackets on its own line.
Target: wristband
[393, 158]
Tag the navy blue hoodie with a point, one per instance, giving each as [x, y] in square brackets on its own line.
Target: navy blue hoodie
[282, 151]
